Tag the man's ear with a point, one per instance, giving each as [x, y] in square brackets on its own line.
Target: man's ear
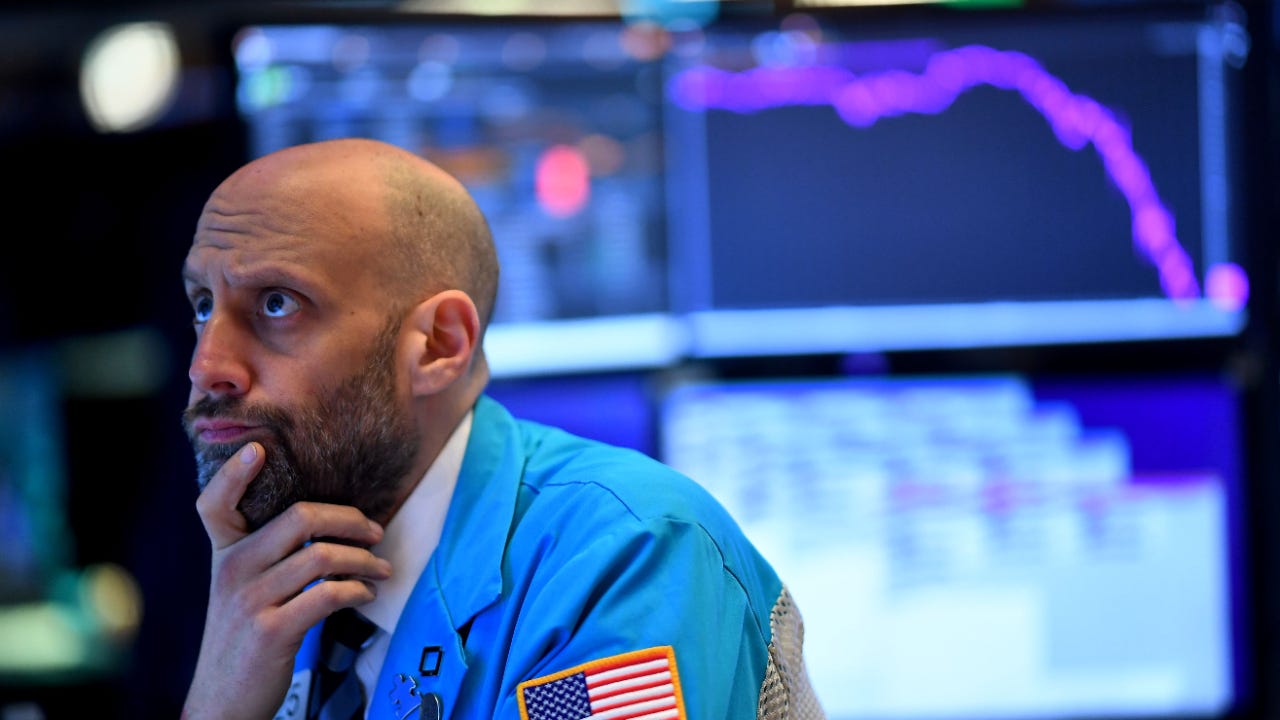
[444, 331]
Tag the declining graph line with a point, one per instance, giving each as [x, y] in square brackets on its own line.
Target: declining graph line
[863, 100]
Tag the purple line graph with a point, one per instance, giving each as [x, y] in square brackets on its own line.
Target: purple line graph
[1076, 120]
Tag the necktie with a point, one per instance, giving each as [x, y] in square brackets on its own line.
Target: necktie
[337, 694]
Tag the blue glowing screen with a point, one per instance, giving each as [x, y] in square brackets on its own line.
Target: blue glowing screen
[988, 547]
[853, 184]
[958, 182]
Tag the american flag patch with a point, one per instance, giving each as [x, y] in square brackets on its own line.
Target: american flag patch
[641, 685]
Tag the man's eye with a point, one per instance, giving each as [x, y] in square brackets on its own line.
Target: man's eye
[203, 307]
[278, 304]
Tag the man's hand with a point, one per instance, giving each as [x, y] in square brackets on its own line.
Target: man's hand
[259, 604]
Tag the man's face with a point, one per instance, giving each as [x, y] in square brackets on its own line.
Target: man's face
[350, 446]
[294, 347]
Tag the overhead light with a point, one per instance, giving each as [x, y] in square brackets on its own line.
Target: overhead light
[129, 76]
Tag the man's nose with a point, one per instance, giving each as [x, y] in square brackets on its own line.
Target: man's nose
[218, 365]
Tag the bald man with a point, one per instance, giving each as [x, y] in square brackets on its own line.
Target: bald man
[348, 458]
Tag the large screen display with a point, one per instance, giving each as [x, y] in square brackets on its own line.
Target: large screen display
[958, 180]
[555, 129]
[820, 183]
[989, 546]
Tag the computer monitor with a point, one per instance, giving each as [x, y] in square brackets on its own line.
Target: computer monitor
[846, 182]
[616, 408]
[993, 546]
[851, 182]
[553, 125]
[34, 534]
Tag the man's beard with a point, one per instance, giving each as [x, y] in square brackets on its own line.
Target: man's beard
[353, 446]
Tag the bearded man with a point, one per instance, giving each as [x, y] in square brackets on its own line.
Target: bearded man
[388, 541]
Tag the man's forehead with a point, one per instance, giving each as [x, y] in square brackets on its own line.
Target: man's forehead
[218, 261]
[285, 218]
[303, 211]
[317, 259]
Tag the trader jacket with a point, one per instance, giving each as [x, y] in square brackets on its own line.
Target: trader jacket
[561, 556]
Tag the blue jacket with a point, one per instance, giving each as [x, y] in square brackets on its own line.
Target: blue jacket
[559, 551]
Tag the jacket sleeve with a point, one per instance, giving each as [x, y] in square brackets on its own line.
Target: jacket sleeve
[617, 583]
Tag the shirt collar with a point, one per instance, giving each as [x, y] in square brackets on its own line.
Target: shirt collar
[411, 536]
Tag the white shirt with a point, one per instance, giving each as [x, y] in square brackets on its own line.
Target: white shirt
[407, 544]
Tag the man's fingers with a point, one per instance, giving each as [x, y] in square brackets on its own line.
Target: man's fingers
[320, 600]
[307, 521]
[320, 560]
[217, 503]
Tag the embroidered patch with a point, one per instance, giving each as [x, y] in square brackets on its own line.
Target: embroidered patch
[631, 685]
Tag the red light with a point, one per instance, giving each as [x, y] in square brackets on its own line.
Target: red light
[562, 181]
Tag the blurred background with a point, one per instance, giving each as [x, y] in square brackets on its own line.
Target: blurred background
[965, 310]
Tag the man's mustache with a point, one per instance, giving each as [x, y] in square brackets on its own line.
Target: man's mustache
[236, 409]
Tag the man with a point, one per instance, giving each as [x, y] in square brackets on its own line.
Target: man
[349, 458]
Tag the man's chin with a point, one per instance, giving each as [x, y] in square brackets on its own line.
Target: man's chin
[267, 495]
[257, 513]
[210, 458]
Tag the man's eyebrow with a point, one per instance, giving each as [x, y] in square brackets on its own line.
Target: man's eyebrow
[261, 275]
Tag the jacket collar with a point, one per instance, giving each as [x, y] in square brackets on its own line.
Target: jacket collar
[467, 564]
[463, 577]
